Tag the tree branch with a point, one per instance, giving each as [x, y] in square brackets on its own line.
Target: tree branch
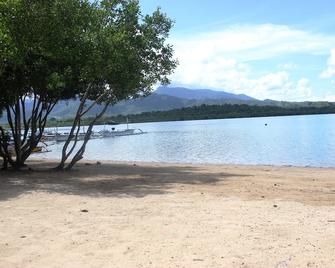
[93, 104]
[76, 120]
[79, 155]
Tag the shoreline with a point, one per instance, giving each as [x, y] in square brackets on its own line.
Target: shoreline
[200, 119]
[83, 161]
[126, 214]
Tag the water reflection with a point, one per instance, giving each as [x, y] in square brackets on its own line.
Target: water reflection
[295, 140]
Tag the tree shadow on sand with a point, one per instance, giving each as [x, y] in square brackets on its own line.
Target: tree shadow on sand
[114, 180]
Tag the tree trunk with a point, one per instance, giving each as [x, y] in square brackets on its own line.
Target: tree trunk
[74, 137]
[21, 127]
[75, 125]
[79, 155]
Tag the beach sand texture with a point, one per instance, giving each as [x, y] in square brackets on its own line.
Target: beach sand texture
[168, 215]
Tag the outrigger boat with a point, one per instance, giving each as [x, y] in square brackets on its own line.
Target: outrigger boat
[61, 137]
[124, 132]
[105, 133]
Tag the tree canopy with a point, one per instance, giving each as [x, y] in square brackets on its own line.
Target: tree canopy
[104, 51]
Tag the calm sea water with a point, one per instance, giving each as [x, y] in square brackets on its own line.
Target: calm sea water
[291, 140]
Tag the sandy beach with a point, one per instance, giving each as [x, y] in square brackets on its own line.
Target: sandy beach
[167, 215]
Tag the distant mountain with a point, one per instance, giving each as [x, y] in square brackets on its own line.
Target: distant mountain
[201, 94]
[154, 102]
[162, 99]
[168, 98]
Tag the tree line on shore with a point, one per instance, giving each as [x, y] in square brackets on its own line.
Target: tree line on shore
[205, 111]
[222, 111]
[100, 52]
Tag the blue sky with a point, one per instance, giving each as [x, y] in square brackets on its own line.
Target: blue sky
[281, 49]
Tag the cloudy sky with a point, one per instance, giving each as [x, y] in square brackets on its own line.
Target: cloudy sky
[268, 49]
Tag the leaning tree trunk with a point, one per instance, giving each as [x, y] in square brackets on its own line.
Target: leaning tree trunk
[26, 131]
[69, 149]
[79, 154]
[73, 135]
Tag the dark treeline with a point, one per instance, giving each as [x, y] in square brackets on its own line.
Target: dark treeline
[222, 111]
[215, 112]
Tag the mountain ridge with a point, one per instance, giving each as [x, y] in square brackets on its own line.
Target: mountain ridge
[198, 94]
[169, 98]
[162, 99]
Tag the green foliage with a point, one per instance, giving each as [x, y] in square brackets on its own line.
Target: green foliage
[57, 48]
[129, 51]
[221, 111]
[206, 112]
[104, 51]
[38, 54]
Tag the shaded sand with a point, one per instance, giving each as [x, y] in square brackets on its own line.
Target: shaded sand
[166, 215]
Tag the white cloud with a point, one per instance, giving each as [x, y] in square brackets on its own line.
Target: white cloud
[254, 42]
[288, 66]
[330, 71]
[277, 86]
[303, 90]
[223, 60]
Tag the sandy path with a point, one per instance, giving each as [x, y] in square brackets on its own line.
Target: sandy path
[155, 215]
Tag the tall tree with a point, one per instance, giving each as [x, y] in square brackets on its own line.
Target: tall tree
[129, 56]
[42, 44]
[57, 49]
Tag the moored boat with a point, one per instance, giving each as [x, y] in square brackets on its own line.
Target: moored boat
[123, 132]
[61, 137]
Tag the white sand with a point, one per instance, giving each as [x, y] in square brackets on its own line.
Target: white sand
[160, 215]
